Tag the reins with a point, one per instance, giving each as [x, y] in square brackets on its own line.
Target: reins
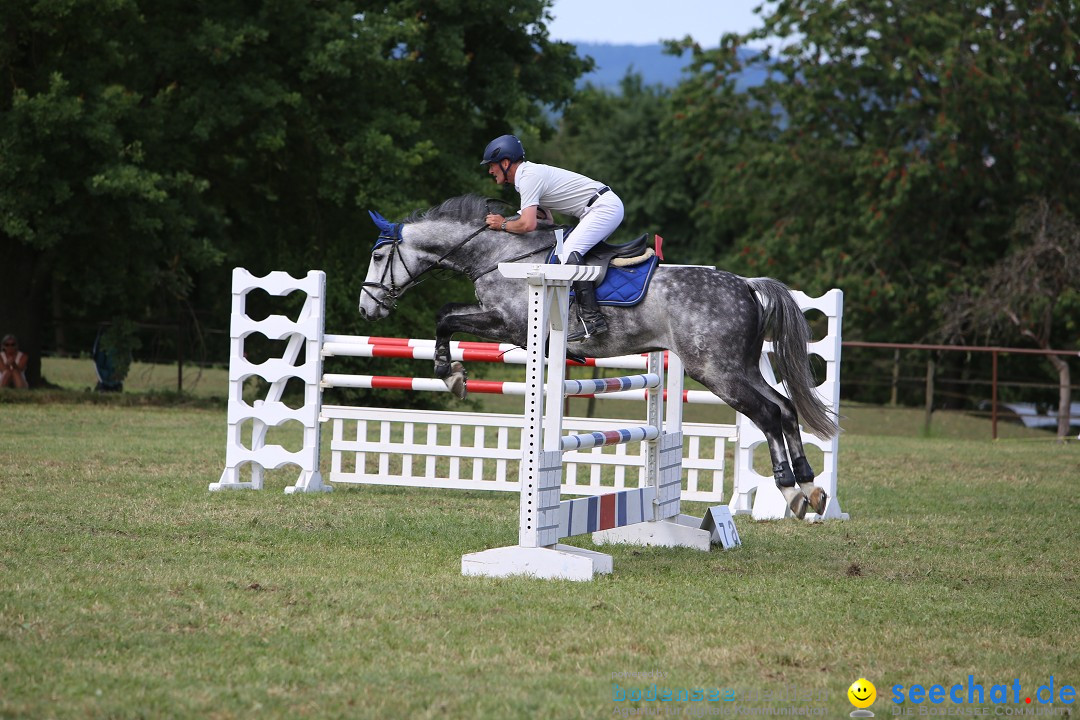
[451, 251]
[546, 248]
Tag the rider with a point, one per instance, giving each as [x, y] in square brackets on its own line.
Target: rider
[597, 207]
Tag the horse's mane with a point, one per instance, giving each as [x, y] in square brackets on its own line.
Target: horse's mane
[464, 208]
[471, 208]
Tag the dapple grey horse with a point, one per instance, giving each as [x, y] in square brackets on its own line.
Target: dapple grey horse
[714, 320]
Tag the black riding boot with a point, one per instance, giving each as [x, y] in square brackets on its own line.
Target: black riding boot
[592, 320]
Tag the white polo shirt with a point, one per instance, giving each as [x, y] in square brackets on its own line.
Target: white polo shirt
[554, 188]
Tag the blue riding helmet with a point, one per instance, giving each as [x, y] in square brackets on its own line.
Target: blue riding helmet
[504, 147]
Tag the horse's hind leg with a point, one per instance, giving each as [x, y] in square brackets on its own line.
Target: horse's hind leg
[804, 474]
[800, 466]
[772, 419]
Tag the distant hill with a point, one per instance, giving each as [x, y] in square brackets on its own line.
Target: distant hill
[649, 61]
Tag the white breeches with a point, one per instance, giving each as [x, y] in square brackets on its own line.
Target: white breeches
[598, 223]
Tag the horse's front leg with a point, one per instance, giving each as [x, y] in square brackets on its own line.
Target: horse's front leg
[461, 317]
[444, 332]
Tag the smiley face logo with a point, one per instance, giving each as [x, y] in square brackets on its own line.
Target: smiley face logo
[862, 693]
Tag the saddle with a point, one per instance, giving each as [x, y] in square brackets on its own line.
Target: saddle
[604, 255]
[625, 270]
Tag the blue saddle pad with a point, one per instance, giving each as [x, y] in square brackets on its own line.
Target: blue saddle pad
[624, 286]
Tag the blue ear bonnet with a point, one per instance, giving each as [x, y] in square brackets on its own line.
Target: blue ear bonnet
[388, 232]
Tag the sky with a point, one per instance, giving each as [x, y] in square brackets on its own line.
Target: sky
[645, 22]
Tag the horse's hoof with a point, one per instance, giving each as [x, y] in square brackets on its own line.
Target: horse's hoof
[798, 506]
[815, 496]
[796, 501]
[458, 380]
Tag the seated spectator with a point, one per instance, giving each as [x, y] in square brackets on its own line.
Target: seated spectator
[12, 363]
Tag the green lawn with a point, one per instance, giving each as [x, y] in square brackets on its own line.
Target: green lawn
[78, 374]
[127, 590]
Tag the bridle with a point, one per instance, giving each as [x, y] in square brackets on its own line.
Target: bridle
[391, 235]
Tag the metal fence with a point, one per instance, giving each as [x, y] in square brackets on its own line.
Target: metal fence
[974, 382]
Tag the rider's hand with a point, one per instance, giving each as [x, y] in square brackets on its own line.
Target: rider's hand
[494, 221]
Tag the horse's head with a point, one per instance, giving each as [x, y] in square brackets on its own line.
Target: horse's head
[442, 237]
[388, 276]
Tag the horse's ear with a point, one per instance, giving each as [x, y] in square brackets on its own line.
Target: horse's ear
[380, 222]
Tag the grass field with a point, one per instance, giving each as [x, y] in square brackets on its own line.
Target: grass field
[130, 591]
[77, 374]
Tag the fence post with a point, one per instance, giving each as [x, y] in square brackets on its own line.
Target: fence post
[929, 393]
[893, 396]
[993, 396]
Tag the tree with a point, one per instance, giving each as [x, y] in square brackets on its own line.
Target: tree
[145, 148]
[620, 138]
[1020, 295]
[889, 150]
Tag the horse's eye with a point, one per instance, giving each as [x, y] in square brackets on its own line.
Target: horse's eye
[376, 257]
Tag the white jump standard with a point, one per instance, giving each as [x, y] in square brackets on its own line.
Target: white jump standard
[646, 515]
[305, 333]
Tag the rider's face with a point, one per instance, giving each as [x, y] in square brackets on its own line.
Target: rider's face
[497, 173]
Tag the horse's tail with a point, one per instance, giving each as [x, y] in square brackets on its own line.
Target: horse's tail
[785, 324]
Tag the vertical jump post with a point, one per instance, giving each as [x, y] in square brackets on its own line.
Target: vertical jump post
[648, 515]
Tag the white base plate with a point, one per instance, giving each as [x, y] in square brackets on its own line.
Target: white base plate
[681, 531]
[560, 562]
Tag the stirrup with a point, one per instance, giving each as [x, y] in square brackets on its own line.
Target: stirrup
[599, 326]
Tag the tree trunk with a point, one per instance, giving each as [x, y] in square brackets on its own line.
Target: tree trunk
[1064, 395]
[21, 299]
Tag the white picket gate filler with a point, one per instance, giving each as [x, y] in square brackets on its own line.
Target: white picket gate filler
[648, 515]
[467, 450]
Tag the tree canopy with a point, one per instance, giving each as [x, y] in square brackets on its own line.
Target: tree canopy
[891, 148]
[617, 138]
[146, 148]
